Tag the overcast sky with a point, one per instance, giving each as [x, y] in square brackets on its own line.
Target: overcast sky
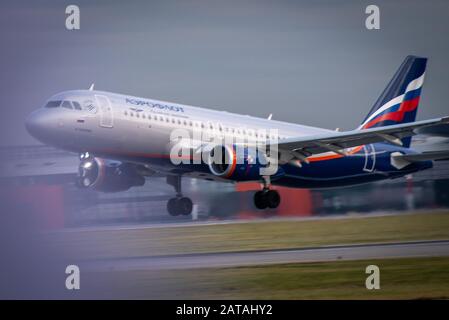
[310, 62]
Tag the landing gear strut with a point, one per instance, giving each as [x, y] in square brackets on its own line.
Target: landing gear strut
[179, 205]
[267, 198]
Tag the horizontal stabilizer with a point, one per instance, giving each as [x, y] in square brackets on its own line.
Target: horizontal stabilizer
[431, 155]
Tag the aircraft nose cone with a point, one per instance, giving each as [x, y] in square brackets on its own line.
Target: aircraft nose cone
[37, 124]
[32, 123]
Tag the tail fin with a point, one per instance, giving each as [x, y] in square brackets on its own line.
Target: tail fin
[399, 101]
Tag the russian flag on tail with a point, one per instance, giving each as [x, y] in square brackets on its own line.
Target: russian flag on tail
[399, 101]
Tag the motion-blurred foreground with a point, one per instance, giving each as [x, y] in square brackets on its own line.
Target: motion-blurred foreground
[127, 246]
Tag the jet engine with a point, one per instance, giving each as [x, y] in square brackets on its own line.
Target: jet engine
[240, 165]
[107, 176]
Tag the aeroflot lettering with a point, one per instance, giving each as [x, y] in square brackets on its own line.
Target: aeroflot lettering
[154, 105]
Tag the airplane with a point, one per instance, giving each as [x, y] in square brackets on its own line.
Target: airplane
[122, 140]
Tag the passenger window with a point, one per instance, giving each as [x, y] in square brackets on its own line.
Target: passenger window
[53, 104]
[66, 104]
[76, 105]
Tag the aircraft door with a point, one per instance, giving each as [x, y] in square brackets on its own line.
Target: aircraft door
[106, 114]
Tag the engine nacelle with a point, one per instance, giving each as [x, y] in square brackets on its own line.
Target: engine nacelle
[107, 176]
[224, 161]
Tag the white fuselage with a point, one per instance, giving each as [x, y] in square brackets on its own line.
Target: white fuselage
[120, 125]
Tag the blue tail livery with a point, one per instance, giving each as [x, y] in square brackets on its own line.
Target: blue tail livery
[398, 103]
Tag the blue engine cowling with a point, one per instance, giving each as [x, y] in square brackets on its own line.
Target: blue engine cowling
[240, 165]
[107, 176]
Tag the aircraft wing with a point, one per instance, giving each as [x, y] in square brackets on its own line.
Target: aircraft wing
[303, 147]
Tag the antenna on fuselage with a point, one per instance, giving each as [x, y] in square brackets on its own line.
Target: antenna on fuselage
[270, 116]
[91, 88]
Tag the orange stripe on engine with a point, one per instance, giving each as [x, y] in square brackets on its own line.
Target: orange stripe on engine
[234, 164]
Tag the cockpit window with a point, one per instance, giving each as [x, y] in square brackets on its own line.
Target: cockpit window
[66, 104]
[76, 105]
[53, 104]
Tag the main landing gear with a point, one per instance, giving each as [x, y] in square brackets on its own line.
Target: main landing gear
[179, 205]
[267, 198]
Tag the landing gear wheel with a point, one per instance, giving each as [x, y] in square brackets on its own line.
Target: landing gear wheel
[273, 198]
[172, 207]
[179, 206]
[260, 200]
[185, 206]
[267, 199]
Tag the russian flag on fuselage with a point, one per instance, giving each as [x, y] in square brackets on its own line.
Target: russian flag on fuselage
[399, 101]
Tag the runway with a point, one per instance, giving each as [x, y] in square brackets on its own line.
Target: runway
[186, 224]
[432, 248]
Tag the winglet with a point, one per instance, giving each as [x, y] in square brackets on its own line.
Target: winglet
[91, 88]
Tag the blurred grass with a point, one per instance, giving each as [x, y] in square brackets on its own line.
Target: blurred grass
[251, 236]
[410, 278]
